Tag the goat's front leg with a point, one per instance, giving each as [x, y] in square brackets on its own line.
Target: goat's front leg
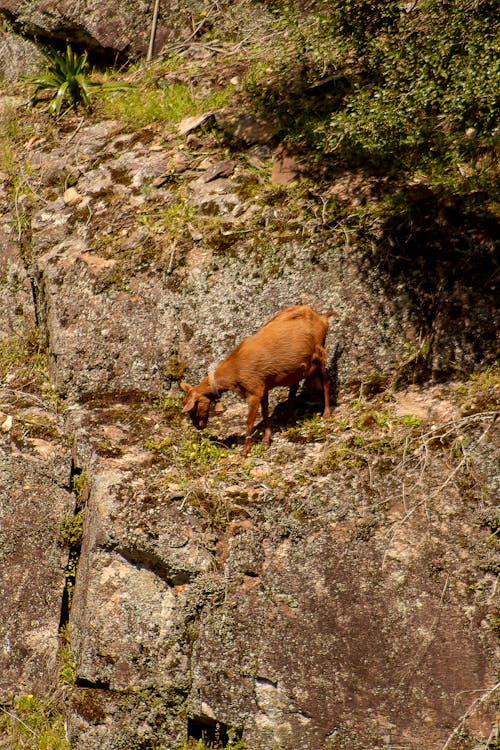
[265, 416]
[253, 407]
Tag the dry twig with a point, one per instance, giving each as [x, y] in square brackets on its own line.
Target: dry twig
[476, 704]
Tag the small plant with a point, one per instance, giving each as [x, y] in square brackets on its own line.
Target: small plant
[66, 82]
[233, 741]
[160, 446]
[65, 79]
[70, 574]
[176, 369]
[67, 666]
[171, 404]
[310, 430]
[80, 484]
[415, 367]
[202, 453]
[71, 532]
[197, 452]
[481, 392]
[72, 529]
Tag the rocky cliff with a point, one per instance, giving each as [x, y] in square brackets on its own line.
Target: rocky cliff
[339, 590]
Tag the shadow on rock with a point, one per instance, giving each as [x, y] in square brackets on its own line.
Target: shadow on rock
[436, 253]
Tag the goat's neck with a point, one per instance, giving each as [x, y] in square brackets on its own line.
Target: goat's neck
[223, 378]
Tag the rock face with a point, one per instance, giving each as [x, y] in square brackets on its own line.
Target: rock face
[300, 618]
[18, 57]
[338, 591]
[113, 30]
[102, 29]
[34, 501]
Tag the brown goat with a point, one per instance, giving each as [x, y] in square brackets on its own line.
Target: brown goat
[287, 349]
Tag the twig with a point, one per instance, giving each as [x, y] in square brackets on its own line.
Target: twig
[171, 261]
[433, 435]
[185, 42]
[469, 712]
[426, 646]
[18, 215]
[459, 422]
[16, 718]
[19, 395]
[152, 35]
[82, 120]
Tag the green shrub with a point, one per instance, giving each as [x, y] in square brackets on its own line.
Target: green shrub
[202, 452]
[382, 84]
[425, 81]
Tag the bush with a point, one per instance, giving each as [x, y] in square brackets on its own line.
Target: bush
[384, 83]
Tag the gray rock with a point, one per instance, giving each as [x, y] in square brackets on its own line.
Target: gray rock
[34, 501]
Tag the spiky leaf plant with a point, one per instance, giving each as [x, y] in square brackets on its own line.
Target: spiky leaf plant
[65, 78]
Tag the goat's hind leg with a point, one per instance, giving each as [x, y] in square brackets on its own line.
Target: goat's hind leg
[321, 363]
[264, 404]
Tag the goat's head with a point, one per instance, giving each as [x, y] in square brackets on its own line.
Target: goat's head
[197, 404]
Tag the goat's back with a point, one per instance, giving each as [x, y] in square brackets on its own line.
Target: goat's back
[288, 341]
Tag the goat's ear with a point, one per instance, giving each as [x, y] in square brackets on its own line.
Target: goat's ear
[190, 403]
[186, 387]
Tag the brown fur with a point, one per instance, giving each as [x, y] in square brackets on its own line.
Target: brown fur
[287, 349]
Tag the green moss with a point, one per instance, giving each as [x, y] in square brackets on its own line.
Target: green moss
[109, 449]
[67, 666]
[80, 484]
[202, 453]
[310, 430]
[160, 446]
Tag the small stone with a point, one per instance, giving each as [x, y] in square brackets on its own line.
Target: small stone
[6, 425]
[251, 130]
[188, 124]
[285, 167]
[221, 169]
[72, 197]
